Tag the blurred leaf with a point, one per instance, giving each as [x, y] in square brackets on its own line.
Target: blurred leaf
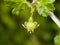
[57, 40]
[8, 21]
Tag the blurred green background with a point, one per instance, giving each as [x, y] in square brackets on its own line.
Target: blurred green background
[13, 33]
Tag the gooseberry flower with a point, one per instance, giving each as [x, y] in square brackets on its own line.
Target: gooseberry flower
[30, 25]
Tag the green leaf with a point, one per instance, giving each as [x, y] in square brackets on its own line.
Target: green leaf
[57, 40]
[16, 10]
[20, 8]
[42, 10]
[50, 7]
[13, 3]
[45, 14]
[16, 1]
[10, 4]
[46, 1]
[45, 6]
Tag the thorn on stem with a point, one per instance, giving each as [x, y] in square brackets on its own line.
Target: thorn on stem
[54, 18]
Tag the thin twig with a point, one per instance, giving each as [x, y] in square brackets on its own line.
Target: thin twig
[55, 19]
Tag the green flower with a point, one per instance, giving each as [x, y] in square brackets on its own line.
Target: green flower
[30, 25]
